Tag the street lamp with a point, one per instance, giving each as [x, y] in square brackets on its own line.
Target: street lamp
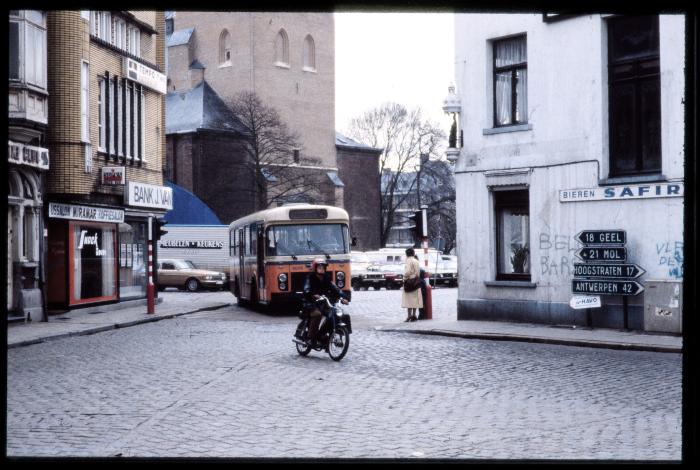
[452, 105]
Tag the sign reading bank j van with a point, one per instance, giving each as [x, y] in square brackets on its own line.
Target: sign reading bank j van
[148, 195]
[636, 191]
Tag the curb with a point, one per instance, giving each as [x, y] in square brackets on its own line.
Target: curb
[115, 326]
[536, 339]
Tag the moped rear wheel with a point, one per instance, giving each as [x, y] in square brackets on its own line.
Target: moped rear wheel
[338, 343]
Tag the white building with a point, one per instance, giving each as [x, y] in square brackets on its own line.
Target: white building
[569, 124]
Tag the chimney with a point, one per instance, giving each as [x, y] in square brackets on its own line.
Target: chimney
[196, 73]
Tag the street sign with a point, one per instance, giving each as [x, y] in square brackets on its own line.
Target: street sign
[605, 287]
[585, 301]
[615, 271]
[602, 237]
[602, 253]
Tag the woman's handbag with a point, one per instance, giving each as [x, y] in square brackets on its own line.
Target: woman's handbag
[411, 284]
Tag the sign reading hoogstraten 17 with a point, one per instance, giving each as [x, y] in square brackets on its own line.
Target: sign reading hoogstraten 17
[635, 191]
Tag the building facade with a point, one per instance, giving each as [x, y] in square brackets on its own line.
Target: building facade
[28, 162]
[358, 168]
[569, 124]
[106, 86]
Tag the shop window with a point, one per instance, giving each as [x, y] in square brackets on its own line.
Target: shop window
[133, 275]
[512, 235]
[93, 262]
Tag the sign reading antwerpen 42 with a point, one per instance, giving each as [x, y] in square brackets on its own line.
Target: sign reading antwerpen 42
[148, 195]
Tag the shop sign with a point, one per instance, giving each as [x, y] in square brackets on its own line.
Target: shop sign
[90, 240]
[146, 76]
[20, 154]
[205, 244]
[114, 175]
[634, 191]
[93, 214]
[148, 195]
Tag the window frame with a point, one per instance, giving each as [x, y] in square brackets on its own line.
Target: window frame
[503, 200]
[513, 68]
[84, 101]
[309, 53]
[637, 78]
[282, 56]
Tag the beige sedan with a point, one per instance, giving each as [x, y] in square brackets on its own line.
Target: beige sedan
[183, 274]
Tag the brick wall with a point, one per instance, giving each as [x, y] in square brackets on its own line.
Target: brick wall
[359, 171]
[68, 45]
[305, 100]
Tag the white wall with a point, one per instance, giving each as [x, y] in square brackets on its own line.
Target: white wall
[565, 148]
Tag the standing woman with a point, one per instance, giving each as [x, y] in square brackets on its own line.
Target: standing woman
[411, 300]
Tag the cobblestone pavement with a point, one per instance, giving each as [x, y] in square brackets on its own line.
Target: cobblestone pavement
[228, 383]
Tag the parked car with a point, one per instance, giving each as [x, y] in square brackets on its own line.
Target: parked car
[393, 275]
[183, 274]
[446, 272]
[370, 277]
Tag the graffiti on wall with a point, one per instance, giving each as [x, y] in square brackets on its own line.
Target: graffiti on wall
[556, 253]
[671, 256]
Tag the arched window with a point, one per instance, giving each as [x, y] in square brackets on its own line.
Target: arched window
[282, 49]
[224, 48]
[309, 54]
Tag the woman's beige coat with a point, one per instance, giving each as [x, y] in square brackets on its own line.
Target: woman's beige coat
[411, 299]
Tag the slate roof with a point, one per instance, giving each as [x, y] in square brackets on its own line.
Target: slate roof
[199, 108]
[179, 37]
[344, 141]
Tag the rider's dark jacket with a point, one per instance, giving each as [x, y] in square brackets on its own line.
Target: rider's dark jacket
[315, 286]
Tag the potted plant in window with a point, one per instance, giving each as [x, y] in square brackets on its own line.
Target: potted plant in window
[519, 258]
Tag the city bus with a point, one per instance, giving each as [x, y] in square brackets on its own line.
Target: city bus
[271, 251]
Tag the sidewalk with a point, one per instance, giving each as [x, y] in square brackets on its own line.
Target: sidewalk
[106, 317]
[550, 334]
[97, 319]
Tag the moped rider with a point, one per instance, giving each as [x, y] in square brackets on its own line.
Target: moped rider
[319, 283]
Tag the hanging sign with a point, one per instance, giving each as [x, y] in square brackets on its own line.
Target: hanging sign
[114, 175]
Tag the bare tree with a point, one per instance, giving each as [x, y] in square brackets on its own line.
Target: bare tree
[438, 193]
[271, 149]
[405, 135]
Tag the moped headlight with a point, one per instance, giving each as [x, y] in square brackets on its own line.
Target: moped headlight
[282, 277]
[340, 275]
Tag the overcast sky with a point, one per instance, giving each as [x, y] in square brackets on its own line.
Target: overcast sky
[407, 58]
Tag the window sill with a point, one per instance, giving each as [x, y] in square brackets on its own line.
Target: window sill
[525, 284]
[282, 65]
[225, 65]
[655, 178]
[309, 69]
[507, 129]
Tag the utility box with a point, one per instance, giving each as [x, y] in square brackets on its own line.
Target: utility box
[663, 306]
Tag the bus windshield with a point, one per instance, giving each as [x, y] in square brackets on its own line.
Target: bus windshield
[307, 239]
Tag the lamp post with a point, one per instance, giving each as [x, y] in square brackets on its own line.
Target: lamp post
[452, 105]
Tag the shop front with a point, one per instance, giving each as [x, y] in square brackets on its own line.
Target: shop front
[82, 254]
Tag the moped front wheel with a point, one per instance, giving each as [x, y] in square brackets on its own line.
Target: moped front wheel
[338, 343]
[302, 332]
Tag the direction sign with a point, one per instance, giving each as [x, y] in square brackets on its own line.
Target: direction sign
[602, 253]
[602, 237]
[615, 271]
[605, 287]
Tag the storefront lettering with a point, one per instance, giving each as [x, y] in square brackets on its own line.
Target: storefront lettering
[90, 240]
[147, 195]
[207, 244]
[97, 214]
[641, 191]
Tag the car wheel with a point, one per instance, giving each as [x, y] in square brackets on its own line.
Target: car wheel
[192, 285]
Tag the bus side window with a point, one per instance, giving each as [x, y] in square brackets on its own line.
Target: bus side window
[246, 241]
[241, 242]
[232, 243]
[253, 240]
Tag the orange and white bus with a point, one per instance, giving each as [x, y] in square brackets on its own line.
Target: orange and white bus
[271, 251]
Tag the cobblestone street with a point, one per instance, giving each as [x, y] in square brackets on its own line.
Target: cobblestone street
[229, 383]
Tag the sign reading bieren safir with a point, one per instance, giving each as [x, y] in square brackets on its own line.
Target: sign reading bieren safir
[634, 191]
